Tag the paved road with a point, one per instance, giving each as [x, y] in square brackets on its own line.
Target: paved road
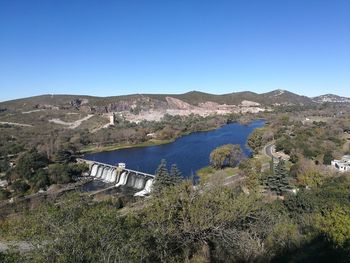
[268, 150]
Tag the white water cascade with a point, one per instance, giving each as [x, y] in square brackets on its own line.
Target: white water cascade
[104, 173]
[109, 175]
[139, 182]
[99, 171]
[122, 177]
[94, 170]
[113, 175]
[131, 179]
[147, 189]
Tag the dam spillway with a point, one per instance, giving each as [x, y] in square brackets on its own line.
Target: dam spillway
[120, 177]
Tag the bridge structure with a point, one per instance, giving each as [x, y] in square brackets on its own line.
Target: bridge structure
[120, 176]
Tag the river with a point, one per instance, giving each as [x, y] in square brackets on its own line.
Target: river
[189, 153]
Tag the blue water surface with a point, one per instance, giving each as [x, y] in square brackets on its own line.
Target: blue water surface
[189, 153]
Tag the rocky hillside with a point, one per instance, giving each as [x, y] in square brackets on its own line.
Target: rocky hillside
[61, 109]
[331, 98]
[146, 102]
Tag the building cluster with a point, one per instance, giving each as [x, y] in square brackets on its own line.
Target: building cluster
[342, 165]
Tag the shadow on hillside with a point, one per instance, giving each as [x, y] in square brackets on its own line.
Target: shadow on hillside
[316, 251]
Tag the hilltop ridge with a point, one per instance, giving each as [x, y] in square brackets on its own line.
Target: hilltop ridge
[192, 97]
[154, 106]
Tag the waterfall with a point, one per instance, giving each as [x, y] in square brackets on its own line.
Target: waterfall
[123, 179]
[99, 171]
[113, 175]
[147, 189]
[148, 186]
[139, 182]
[110, 175]
[131, 180]
[93, 169]
[104, 173]
[107, 174]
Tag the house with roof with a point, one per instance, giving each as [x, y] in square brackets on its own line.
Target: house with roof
[342, 165]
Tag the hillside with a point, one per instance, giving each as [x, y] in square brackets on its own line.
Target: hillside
[150, 101]
[331, 98]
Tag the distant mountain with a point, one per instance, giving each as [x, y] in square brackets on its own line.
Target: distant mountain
[285, 97]
[276, 97]
[147, 102]
[331, 98]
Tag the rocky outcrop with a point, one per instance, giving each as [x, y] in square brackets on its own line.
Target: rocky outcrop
[247, 103]
[209, 105]
[331, 98]
[176, 104]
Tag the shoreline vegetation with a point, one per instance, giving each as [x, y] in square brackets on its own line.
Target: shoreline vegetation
[114, 147]
[151, 142]
[155, 142]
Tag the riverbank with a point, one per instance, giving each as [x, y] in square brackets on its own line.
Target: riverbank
[114, 147]
[154, 142]
[189, 152]
[151, 142]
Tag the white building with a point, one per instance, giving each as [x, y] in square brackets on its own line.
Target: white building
[121, 165]
[112, 119]
[342, 165]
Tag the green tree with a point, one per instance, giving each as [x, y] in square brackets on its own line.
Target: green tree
[335, 225]
[251, 169]
[30, 162]
[62, 156]
[4, 165]
[59, 173]
[278, 181]
[284, 144]
[328, 158]
[39, 180]
[76, 169]
[175, 174]
[255, 140]
[226, 155]
[308, 174]
[311, 178]
[163, 179]
[10, 257]
[20, 186]
[4, 194]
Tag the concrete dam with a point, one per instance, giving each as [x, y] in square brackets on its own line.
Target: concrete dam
[120, 176]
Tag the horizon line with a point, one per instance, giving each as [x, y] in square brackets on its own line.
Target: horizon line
[145, 94]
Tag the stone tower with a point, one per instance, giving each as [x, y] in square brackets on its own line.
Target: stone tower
[112, 119]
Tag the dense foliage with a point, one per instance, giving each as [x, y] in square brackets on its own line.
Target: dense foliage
[226, 155]
[187, 224]
[317, 140]
[34, 171]
[258, 138]
[278, 181]
[164, 179]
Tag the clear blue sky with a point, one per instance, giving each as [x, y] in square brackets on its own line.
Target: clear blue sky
[173, 46]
